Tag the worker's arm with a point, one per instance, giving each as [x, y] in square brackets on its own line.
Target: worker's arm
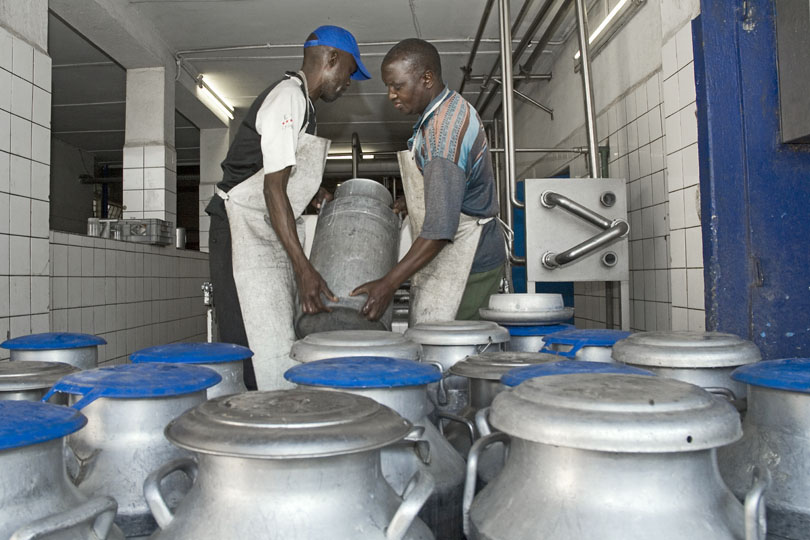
[381, 292]
[310, 282]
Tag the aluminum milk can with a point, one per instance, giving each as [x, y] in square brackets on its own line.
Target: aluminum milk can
[444, 344]
[402, 386]
[516, 376]
[532, 338]
[289, 465]
[127, 408]
[588, 345]
[702, 358]
[80, 350]
[613, 457]
[227, 359]
[343, 343]
[356, 240]
[36, 498]
[526, 309]
[31, 380]
[776, 431]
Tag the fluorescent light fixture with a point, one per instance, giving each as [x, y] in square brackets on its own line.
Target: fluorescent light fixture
[617, 9]
[348, 156]
[214, 96]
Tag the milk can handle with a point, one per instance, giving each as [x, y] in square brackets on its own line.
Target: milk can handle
[100, 510]
[482, 422]
[419, 489]
[456, 418]
[441, 393]
[151, 488]
[472, 473]
[756, 526]
[727, 393]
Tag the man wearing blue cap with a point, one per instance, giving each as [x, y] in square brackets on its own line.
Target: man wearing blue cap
[273, 170]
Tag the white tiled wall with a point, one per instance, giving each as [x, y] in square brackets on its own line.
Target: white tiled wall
[132, 295]
[25, 132]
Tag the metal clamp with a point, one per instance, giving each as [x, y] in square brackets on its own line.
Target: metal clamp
[456, 418]
[472, 473]
[151, 488]
[756, 526]
[612, 230]
[100, 510]
[419, 489]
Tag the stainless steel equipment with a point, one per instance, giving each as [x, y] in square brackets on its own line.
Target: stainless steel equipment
[127, 408]
[776, 431]
[31, 380]
[587, 345]
[356, 241]
[702, 358]
[354, 343]
[526, 309]
[531, 338]
[180, 238]
[610, 456]
[226, 359]
[80, 350]
[36, 498]
[289, 464]
[444, 344]
[402, 386]
[146, 231]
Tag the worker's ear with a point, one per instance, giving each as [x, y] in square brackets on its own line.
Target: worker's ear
[333, 58]
[428, 79]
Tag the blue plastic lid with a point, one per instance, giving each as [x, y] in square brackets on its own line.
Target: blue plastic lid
[516, 376]
[52, 340]
[582, 338]
[23, 423]
[539, 330]
[791, 374]
[132, 381]
[363, 372]
[192, 353]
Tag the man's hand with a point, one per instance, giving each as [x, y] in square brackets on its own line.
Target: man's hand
[380, 293]
[310, 287]
[400, 207]
[322, 195]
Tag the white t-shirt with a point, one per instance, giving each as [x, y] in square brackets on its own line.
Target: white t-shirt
[278, 122]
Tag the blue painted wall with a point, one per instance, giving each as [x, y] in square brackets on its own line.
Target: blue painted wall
[755, 191]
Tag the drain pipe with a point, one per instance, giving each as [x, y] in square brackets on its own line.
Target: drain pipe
[587, 89]
[357, 153]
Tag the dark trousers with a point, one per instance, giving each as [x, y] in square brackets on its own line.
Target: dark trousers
[226, 301]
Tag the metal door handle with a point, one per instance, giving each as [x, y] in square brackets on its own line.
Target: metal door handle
[612, 230]
[472, 473]
[100, 510]
[151, 488]
[419, 489]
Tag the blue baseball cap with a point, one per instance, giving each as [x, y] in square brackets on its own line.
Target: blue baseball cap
[340, 38]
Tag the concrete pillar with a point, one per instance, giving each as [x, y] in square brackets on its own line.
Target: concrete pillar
[213, 149]
[150, 171]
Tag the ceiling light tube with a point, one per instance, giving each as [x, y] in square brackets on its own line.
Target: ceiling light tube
[614, 13]
[221, 103]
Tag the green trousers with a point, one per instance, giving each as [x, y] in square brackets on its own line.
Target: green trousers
[480, 287]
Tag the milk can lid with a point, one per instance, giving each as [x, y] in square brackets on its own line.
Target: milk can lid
[537, 330]
[51, 341]
[458, 333]
[338, 343]
[133, 381]
[616, 413]
[32, 375]
[579, 339]
[791, 374]
[287, 424]
[363, 372]
[492, 365]
[193, 353]
[567, 367]
[23, 423]
[686, 350]
[526, 309]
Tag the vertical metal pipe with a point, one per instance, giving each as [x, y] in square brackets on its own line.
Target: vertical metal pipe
[587, 89]
[467, 69]
[508, 102]
[355, 154]
[503, 206]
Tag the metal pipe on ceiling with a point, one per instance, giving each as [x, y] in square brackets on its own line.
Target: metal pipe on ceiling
[467, 69]
[587, 89]
[527, 99]
[527, 76]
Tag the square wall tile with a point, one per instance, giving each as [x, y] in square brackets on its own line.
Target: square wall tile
[41, 107]
[4, 299]
[676, 210]
[662, 317]
[20, 326]
[671, 96]
[683, 44]
[691, 205]
[694, 247]
[5, 91]
[643, 126]
[42, 70]
[22, 62]
[691, 165]
[697, 320]
[677, 278]
[40, 218]
[40, 181]
[5, 62]
[688, 117]
[677, 243]
[20, 215]
[60, 292]
[4, 255]
[40, 255]
[646, 191]
[20, 136]
[19, 295]
[686, 86]
[40, 294]
[654, 121]
[673, 132]
[5, 171]
[40, 323]
[680, 320]
[21, 97]
[40, 144]
[133, 157]
[20, 176]
[5, 131]
[659, 188]
[695, 288]
[59, 320]
[661, 247]
[660, 227]
[154, 156]
[4, 213]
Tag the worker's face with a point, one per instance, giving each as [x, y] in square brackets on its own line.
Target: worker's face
[408, 89]
[337, 75]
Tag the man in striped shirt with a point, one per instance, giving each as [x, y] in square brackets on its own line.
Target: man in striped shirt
[450, 149]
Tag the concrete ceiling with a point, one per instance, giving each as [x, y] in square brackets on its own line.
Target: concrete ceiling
[89, 87]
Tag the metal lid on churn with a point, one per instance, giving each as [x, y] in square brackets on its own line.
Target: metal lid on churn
[32, 375]
[492, 365]
[52, 341]
[287, 424]
[516, 376]
[343, 343]
[363, 372]
[616, 413]
[686, 350]
[458, 333]
[526, 308]
[23, 423]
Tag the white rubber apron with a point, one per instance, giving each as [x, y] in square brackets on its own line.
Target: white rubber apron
[262, 270]
[437, 289]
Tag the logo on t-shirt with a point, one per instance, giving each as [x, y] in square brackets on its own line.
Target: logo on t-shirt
[287, 121]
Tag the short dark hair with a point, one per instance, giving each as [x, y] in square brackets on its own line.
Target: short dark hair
[422, 55]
